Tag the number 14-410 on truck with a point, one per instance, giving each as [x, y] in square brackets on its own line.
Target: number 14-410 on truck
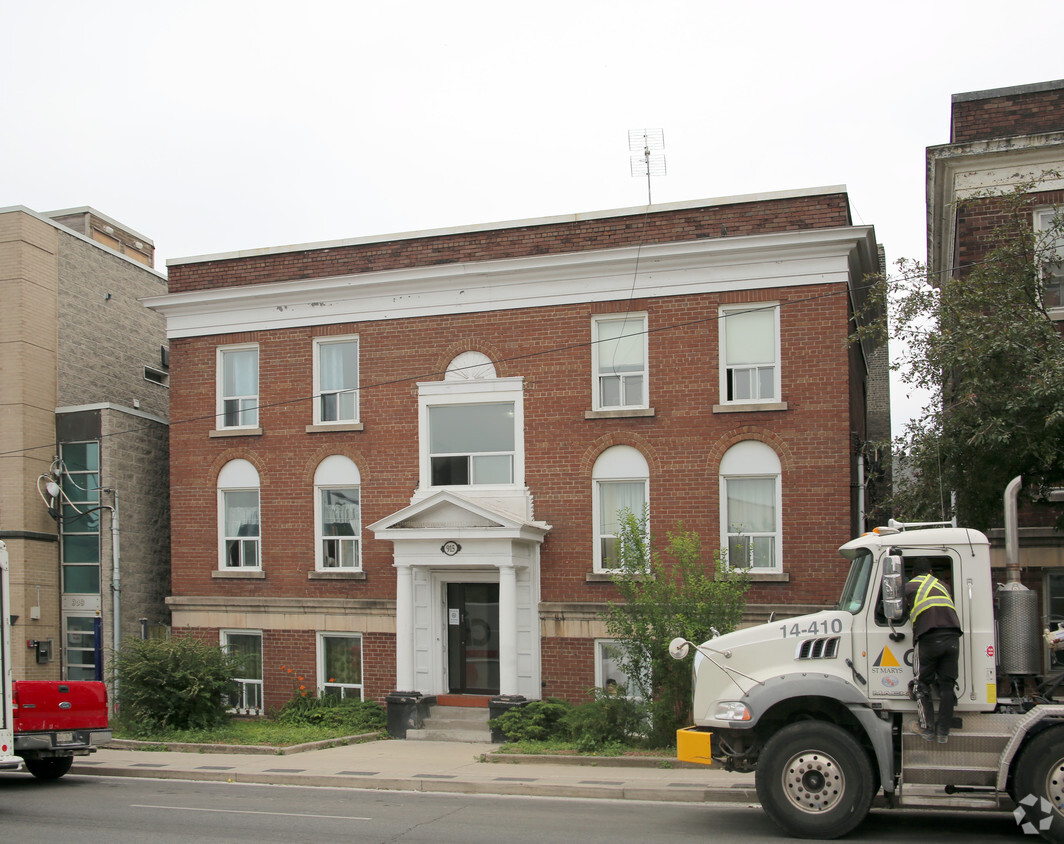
[819, 707]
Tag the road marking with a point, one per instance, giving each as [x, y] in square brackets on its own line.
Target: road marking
[248, 812]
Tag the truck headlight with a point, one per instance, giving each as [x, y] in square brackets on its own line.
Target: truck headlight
[731, 710]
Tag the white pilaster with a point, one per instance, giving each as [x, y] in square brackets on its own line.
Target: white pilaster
[404, 629]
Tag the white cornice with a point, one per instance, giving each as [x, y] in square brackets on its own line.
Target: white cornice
[956, 171]
[713, 264]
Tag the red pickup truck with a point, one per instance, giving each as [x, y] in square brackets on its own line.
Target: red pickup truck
[56, 721]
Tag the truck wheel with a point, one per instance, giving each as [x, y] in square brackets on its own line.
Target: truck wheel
[1038, 785]
[814, 780]
[51, 768]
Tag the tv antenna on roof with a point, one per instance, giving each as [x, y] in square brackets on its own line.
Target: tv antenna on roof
[648, 153]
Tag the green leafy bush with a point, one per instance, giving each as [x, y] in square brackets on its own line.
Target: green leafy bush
[539, 720]
[610, 719]
[357, 716]
[172, 684]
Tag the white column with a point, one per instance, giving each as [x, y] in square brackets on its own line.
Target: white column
[404, 629]
[507, 630]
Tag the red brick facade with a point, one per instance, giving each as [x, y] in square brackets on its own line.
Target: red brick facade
[1027, 112]
[683, 441]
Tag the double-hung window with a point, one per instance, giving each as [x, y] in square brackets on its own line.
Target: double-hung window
[471, 444]
[245, 689]
[619, 361]
[621, 485]
[751, 498]
[471, 427]
[238, 516]
[238, 386]
[340, 665]
[1050, 246]
[336, 380]
[339, 515]
[749, 344]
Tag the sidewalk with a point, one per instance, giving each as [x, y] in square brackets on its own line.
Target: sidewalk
[438, 766]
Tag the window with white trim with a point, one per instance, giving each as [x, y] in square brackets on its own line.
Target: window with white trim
[238, 387]
[608, 673]
[621, 482]
[619, 361]
[749, 353]
[338, 515]
[340, 665]
[750, 505]
[336, 380]
[238, 516]
[245, 691]
[471, 426]
[1051, 258]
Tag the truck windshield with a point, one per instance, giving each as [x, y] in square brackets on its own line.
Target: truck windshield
[856, 588]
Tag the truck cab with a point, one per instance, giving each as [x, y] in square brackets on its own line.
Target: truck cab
[819, 706]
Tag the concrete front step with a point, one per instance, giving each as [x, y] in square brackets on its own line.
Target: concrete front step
[454, 723]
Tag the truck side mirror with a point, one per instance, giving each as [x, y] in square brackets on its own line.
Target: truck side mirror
[893, 587]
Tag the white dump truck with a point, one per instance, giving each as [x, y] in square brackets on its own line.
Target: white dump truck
[819, 707]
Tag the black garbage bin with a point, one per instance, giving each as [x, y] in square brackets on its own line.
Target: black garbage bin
[497, 706]
[406, 711]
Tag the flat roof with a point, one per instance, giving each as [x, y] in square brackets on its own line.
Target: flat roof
[513, 224]
[990, 93]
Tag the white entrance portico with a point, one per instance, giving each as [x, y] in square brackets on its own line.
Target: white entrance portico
[445, 539]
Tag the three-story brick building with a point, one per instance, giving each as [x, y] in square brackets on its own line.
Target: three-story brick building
[397, 462]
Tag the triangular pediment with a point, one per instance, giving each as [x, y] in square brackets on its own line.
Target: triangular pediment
[448, 511]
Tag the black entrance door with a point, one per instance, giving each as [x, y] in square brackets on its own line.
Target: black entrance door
[473, 638]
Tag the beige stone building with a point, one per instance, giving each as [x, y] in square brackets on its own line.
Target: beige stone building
[84, 394]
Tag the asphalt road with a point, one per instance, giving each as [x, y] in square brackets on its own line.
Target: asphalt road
[87, 809]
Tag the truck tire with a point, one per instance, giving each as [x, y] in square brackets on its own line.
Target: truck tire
[1038, 785]
[50, 768]
[814, 780]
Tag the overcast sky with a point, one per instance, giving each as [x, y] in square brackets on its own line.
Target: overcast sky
[226, 125]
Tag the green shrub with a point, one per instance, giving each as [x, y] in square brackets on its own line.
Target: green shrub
[350, 713]
[172, 684]
[538, 720]
[610, 719]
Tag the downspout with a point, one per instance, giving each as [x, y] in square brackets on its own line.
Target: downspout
[860, 494]
[116, 589]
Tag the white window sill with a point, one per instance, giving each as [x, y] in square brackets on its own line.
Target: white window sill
[751, 407]
[320, 427]
[236, 432]
[604, 576]
[239, 574]
[619, 413]
[336, 574]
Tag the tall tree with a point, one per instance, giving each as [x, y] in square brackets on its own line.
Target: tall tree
[982, 342]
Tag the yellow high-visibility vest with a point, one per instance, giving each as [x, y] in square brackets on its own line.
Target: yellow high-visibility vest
[930, 593]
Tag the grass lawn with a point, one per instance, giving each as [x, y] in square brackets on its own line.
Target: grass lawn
[250, 731]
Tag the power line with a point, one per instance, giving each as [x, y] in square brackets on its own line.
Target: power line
[922, 273]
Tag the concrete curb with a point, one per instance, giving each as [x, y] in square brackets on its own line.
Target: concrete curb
[664, 762]
[443, 785]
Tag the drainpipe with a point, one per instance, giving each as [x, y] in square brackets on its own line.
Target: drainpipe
[116, 587]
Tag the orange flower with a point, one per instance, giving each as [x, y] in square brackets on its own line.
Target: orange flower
[332, 679]
[301, 687]
[300, 679]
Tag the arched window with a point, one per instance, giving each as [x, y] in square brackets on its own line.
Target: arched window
[337, 515]
[238, 516]
[750, 504]
[621, 481]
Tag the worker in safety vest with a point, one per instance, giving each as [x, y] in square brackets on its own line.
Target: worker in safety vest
[937, 633]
